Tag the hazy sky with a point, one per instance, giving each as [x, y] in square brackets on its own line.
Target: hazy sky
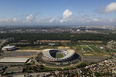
[57, 12]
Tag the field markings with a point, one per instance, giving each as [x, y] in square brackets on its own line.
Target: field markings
[92, 50]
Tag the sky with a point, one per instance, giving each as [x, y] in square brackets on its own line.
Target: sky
[57, 12]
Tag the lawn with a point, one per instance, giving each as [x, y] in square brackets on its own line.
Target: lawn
[37, 47]
[98, 51]
[58, 55]
[95, 49]
[30, 47]
[86, 48]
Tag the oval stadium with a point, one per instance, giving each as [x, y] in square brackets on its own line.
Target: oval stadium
[57, 55]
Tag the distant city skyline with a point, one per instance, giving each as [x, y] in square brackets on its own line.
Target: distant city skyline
[57, 12]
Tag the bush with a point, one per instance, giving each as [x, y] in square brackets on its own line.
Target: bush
[82, 65]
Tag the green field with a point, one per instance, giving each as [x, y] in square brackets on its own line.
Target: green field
[37, 47]
[86, 48]
[58, 55]
[95, 49]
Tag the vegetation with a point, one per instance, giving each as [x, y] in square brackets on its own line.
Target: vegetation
[82, 65]
[86, 48]
[40, 68]
[32, 37]
[95, 49]
[59, 55]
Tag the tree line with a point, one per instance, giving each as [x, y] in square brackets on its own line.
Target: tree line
[31, 37]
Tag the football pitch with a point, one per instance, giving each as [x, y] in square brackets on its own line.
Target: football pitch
[93, 50]
[59, 55]
[86, 48]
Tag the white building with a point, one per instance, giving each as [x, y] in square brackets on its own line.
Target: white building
[8, 48]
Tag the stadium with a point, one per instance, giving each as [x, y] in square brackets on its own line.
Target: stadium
[57, 55]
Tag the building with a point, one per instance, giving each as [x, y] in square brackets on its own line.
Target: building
[8, 48]
[13, 61]
[67, 54]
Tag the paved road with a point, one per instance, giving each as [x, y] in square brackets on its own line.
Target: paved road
[2, 42]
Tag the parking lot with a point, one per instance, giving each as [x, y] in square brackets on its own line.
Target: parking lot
[90, 59]
[18, 54]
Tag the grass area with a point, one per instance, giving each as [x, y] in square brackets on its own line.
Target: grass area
[30, 47]
[99, 51]
[86, 48]
[78, 48]
[38, 47]
[58, 55]
[95, 49]
[41, 47]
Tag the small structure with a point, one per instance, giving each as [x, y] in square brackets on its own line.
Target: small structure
[51, 43]
[8, 48]
[102, 48]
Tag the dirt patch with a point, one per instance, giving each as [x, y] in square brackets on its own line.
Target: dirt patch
[90, 41]
[60, 47]
[105, 55]
[30, 50]
[88, 54]
[67, 47]
[90, 59]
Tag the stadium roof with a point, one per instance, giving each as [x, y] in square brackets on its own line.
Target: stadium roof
[8, 46]
[13, 59]
[70, 53]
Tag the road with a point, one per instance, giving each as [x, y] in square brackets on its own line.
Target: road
[2, 42]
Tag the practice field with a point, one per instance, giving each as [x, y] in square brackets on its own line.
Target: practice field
[94, 48]
[59, 55]
[93, 51]
[86, 48]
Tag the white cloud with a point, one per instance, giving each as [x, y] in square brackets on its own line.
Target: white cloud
[97, 19]
[63, 20]
[111, 7]
[67, 13]
[112, 20]
[6, 20]
[52, 20]
[16, 19]
[30, 18]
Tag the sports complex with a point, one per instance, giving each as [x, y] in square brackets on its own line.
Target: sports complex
[57, 55]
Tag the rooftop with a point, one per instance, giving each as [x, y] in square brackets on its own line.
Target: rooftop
[13, 59]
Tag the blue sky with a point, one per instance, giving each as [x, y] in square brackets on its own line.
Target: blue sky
[57, 12]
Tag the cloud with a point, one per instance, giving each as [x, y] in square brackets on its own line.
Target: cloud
[97, 19]
[111, 7]
[67, 13]
[52, 20]
[112, 20]
[30, 18]
[63, 20]
[16, 19]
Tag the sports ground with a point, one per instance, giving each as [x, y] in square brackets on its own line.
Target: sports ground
[59, 55]
[90, 50]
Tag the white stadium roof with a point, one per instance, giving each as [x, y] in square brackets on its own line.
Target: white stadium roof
[69, 54]
[8, 46]
[13, 59]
